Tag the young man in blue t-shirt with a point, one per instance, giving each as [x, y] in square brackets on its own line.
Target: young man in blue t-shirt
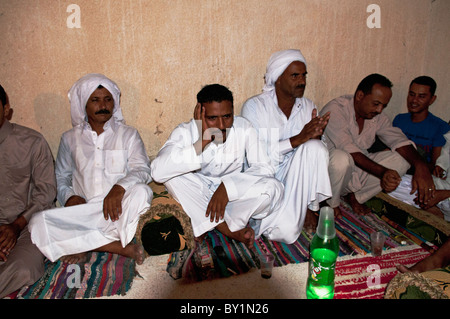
[419, 124]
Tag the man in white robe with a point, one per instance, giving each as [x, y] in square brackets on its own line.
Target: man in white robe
[289, 125]
[102, 172]
[201, 165]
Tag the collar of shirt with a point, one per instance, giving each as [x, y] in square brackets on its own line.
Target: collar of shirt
[111, 124]
[295, 108]
[5, 130]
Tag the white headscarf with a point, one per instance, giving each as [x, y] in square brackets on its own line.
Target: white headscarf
[278, 62]
[80, 92]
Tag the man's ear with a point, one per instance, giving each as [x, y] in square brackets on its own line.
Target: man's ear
[433, 99]
[359, 95]
[7, 112]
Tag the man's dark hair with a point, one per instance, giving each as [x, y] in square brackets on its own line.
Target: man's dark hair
[369, 81]
[425, 80]
[3, 96]
[214, 93]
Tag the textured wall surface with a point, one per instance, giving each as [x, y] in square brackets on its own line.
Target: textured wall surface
[161, 52]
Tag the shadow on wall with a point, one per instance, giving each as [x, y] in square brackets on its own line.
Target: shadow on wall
[52, 115]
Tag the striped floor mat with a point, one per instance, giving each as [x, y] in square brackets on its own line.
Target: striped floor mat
[352, 230]
[103, 274]
[366, 277]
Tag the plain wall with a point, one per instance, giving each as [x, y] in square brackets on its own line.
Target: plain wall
[161, 53]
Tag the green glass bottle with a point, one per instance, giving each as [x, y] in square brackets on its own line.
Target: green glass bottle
[323, 252]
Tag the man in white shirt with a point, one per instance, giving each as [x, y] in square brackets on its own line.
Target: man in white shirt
[102, 172]
[201, 164]
[289, 125]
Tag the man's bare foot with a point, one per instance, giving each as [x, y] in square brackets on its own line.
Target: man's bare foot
[132, 250]
[200, 238]
[311, 222]
[358, 208]
[75, 258]
[245, 235]
[337, 212]
[136, 252]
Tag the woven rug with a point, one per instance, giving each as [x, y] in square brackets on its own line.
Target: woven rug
[103, 274]
[352, 230]
[366, 277]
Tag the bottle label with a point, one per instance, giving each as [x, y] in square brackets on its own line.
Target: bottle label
[321, 271]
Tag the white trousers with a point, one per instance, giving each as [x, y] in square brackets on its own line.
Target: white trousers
[346, 177]
[404, 189]
[304, 174]
[194, 191]
[69, 230]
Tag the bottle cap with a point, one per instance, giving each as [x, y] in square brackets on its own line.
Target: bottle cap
[325, 228]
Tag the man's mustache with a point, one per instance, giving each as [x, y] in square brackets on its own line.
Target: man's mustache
[103, 111]
[301, 86]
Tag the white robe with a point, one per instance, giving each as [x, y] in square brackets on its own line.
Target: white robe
[75, 229]
[303, 170]
[192, 179]
[88, 165]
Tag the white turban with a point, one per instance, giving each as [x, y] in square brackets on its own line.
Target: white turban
[278, 62]
[80, 92]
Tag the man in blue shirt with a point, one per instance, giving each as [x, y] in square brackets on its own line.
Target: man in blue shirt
[419, 124]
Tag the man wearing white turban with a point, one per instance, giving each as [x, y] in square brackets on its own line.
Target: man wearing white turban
[102, 172]
[290, 127]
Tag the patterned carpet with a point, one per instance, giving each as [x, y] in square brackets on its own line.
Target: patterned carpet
[107, 274]
[103, 274]
[366, 277]
[404, 232]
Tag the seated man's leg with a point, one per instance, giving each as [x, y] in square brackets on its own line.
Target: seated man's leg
[136, 201]
[25, 265]
[75, 230]
[340, 170]
[257, 205]
[370, 184]
[306, 183]
[194, 194]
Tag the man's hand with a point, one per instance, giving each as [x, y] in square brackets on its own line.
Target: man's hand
[217, 204]
[423, 183]
[112, 204]
[390, 180]
[312, 130]
[439, 172]
[75, 200]
[9, 233]
[8, 239]
[205, 134]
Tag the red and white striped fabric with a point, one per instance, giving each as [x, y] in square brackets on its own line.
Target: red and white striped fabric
[366, 277]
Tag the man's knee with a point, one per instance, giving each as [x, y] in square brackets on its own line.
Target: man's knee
[141, 192]
[340, 163]
[315, 146]
[26, 273]
[397, 162]
[274, 188]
